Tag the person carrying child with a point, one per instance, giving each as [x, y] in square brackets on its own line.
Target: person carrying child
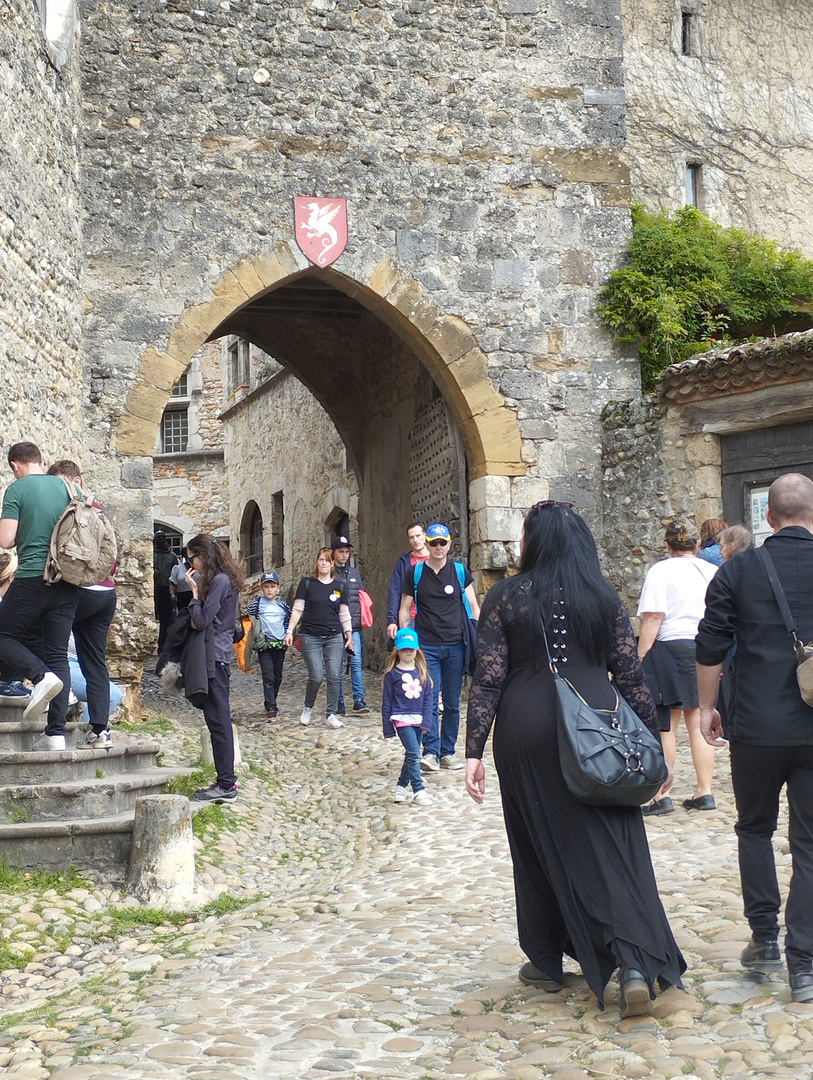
[406, 710]
[269, 644]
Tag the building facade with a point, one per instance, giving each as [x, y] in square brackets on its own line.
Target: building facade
[488, 156]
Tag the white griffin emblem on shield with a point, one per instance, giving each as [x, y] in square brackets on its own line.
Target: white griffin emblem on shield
[321, 228]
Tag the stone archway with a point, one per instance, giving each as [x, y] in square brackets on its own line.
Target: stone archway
[444, 345]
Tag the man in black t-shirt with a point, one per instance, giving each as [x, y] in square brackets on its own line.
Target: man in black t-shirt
[439, 619]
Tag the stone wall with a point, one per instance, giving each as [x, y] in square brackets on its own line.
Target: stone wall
[742, 107]
[261, 460]
[41, 308]
[479, 150]
[653, 473]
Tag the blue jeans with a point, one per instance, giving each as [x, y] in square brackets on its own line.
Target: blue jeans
[411, 769]
[80, 688]
[445, 664]
[356, 677]
[323, 659]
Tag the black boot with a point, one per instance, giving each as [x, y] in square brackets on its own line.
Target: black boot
[635, 998]
[762, 956]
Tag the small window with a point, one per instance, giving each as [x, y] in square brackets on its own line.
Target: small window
[277, 530]
[693, 172]
[255, 542]
[688, 30]
[181, 387]
[175, 431]
[239, 361]
[174, 538]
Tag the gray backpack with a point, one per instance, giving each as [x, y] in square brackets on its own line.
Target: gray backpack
[83, 544]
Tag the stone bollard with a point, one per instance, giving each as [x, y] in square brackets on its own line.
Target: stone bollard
[162, 858]
[206, 755]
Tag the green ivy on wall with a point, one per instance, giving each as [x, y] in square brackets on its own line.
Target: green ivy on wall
[689, 285]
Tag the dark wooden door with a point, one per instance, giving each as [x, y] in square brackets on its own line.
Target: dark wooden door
[755, 459]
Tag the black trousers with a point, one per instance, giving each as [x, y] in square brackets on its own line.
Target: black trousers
[164, 612]
[35, 624]
[758, 774]
[217, 714]
[95, 609]
[271, 661]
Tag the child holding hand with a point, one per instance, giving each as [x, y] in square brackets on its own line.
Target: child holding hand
[407, 711]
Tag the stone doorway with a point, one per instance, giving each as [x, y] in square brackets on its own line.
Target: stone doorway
[402, 444]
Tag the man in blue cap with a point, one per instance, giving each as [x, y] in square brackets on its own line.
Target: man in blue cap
[437, 587]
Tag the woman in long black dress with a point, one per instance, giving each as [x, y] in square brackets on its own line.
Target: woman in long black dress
[583, 876]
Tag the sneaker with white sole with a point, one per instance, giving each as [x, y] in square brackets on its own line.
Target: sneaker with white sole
[49, 742]
[93, 740]
[15, 690]
[48, 687]
[333, 721]
[305, 718]
[215, 793]
[421, 797]
[449, 761]
[429, 763]
[401, 794]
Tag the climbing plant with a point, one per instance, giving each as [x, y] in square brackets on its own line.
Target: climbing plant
[689, 284]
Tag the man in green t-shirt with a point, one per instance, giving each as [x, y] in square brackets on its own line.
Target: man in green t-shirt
[35, 617]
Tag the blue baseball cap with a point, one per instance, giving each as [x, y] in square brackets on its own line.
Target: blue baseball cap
[406, 639]
[438, 531]
[270, 575]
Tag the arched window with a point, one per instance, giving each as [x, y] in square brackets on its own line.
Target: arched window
[254, 548]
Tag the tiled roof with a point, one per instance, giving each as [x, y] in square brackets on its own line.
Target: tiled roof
[739, 368]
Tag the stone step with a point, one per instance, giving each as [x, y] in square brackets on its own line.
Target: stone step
[126, 755]
[101, 843]
[90, 798]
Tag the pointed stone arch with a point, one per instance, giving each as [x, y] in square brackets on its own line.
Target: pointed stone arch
[443, 342]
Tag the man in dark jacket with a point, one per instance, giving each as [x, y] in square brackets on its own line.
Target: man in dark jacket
[769, 727]
[418, 552]
[351, 584]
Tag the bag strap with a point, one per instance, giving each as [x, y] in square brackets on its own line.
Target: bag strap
[782, 601]
[416, 577]
[461, 577]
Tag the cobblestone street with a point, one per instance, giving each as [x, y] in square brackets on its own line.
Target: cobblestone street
[376, 940]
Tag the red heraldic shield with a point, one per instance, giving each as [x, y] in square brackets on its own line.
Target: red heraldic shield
[321, 228]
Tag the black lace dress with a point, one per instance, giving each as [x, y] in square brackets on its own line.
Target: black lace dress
[583, 876]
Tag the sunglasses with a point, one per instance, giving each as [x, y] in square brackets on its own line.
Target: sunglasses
[438, 543]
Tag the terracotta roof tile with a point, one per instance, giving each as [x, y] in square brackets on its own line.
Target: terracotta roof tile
[739, 368]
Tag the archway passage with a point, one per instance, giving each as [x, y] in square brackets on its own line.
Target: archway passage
[401, 439]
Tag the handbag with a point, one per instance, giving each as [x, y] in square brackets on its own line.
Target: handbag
[608, 757]
[804, 653]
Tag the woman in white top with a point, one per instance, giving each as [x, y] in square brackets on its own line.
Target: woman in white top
[673, 601]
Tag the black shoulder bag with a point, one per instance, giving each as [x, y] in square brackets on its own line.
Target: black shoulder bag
[804, 653]
[608, 757]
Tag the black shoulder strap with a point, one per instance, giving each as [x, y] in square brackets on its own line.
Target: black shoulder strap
[779, 593]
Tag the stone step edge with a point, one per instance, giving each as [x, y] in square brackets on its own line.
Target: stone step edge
[55, 757]
[120, 781]
[34, 830]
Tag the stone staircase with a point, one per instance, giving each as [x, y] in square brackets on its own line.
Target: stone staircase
[71, 807]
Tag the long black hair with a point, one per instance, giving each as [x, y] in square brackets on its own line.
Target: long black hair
[560, 560]
[216, 559]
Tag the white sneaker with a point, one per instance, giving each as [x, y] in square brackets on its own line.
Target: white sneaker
[429, 763]
[449, 761]
[48, 687]
[421, 797]
[305, 718]
[333, 721]
[401, 794]
[49, 742]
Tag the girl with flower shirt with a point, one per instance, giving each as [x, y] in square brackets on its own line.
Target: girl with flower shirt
[406, 710]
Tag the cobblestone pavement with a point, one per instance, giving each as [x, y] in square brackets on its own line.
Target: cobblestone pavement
[377, 941]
